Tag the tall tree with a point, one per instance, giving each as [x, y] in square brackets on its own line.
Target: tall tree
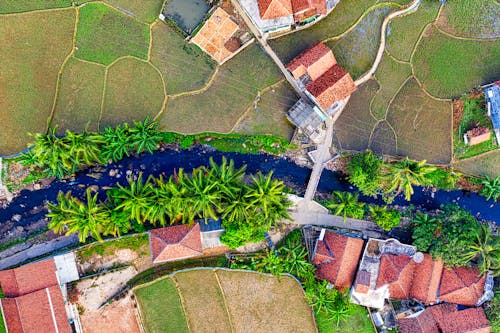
[485, 250]
[346, 204]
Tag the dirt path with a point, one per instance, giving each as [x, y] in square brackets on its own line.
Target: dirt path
[413, 6]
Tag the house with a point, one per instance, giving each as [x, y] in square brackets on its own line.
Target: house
[308, 118]
[445, 318]
[391, 270]
[34, 296]
[175, 242]
[477, 135]
[312, 63]
[492, 95]
[336, 258]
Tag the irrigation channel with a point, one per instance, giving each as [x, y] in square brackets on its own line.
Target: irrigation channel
[28, 203]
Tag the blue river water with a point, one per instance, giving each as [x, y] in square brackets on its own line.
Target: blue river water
[166, 162]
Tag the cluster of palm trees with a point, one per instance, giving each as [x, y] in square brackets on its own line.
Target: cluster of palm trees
[61, 155]
[219, 191]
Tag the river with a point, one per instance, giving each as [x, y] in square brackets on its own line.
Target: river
[166, 162]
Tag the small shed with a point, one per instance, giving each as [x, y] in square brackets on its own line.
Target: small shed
[477, 135]
[307, 117]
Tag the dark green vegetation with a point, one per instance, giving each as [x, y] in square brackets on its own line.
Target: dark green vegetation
[31, 58]
[385, 218]
[456, 237]
[491, 189]
[438, 56]
[17, 6]
[247, 210]
[104, 34]
[374, 176]
[474, 115]
[492, 310]
[161, 306]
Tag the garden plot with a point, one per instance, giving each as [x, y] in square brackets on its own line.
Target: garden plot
[34, 47]
[80, 93]
[448, 67]
[224, 102]
[146, 11]
[105, 34]
[134, 91]
[184, 66]
[17, 6]
[485, 164]
[269, 115]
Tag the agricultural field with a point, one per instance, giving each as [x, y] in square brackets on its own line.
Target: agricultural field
[18, 6]
[224, 301]
[145, 11]
[358, 322]
[232, 91]
[485, 164]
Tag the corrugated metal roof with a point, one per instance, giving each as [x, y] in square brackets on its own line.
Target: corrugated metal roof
[493, 97]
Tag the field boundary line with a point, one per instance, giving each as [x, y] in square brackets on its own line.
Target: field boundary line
[477, 39]
[224, 300]
[198, 91]
[37, 11]
[103, 97]
[165, 98]
[371, 100]
[181, 298]
[393, 57]
[476, 156]
[88, 61]
[115, 9]
[150, 46]
[396, 93]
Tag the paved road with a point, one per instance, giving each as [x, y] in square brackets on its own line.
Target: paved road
[413, 6]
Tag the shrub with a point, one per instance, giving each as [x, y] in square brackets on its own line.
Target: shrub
[384, 218]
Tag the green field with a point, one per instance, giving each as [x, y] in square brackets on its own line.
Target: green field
[17, 6]
[172, 56]
[161, 307]
[269, 117]
[80, 93]
[104, 34]
[34, 47]
[137, 243]
[134, 91]
[358, 322]
[449, 67]
[146, 10]
[220, 106]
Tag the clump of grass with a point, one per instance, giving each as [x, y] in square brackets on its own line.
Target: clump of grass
[138, 243]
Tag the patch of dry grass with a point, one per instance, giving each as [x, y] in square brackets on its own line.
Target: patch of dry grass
[486, 164]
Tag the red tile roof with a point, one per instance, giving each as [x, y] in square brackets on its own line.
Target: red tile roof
[334, 85]
[320, 6]
[337, 258]
[461, 285]
[11, 315]
[300, 5]
[397, 272]
[426, 280]
[270, 9]
[423, 323]
[464, 321]
[314, 61]
[29, 278]
[175, 242]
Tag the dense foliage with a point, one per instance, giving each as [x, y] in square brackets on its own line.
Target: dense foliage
[491, 188]
[346, 204]
[492, 310]
[61, 155]
[385, 218]
[373, 176]
[456, 237]
[247, 209]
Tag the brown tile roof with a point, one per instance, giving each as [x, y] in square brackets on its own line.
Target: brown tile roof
[423, 323]
[397, 272]
[461, 285]
[300, 5]
[175, 242]
[337, 258]
[426, 280]
[478, 135]
[11, 315]
[29, 278]
[320, 6]
[334, 85]
[270, 9]
[314, 61]
[465, 321]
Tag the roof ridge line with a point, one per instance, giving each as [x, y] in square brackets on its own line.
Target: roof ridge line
[181, 242]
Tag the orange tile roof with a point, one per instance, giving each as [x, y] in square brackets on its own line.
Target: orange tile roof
[334, 85]
[461, 285]
[464, 321]
[337, 258]
[29, 278]
[175, 242]
[426, 280]
[320, 6]
[314, 61]
[423, 323]
[11, 315]
[397, 272]
[300, 5]
[270, 9]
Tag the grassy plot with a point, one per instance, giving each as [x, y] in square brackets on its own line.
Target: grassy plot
[383, 139]
[105, 34]
[345, 14]
[269, 117]
[80, 93]
[233, 90]
[184, 66]
[355, 124]
[203, 301]
[390, 75]
[264, 303]
[138, 243]
[33, 48]
[357, 322]
[486, 164]
[471, 18]
[403, 32]
[449, 67]
[160, 307]
[18, 6]
[422, 124]
[134, 91]
[145, 10]
[357, 50]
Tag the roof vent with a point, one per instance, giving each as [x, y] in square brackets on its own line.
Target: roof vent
[322, 234]
[418, 257]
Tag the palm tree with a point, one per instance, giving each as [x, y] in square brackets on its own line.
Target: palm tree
[70, 215]
[346, 205]
[204, 195]
[53, 154]
[425, 229]
[402, 175]
[491, 188]
[486, 250]
[144, 136]
[116, 142]
[228, 178]
[84, 147]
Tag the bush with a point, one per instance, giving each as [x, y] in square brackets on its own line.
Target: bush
[235, 237]
[364, 172]
[186, 142]
[384, 218]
